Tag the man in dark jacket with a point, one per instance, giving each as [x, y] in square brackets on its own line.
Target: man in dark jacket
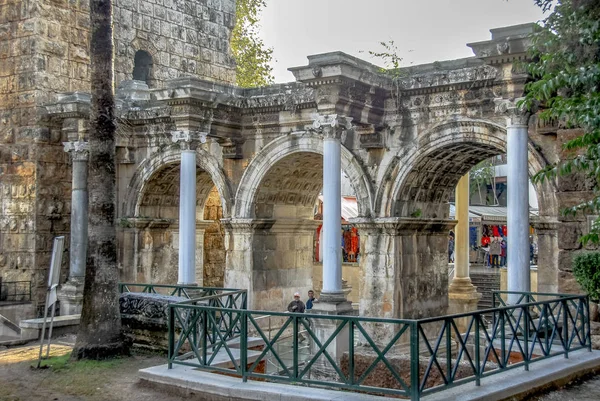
[296, 306]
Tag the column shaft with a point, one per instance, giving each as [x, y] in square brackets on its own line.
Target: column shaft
[79, 220]
[461, 245]
[518, 210]
[332, 260]
[187, 218]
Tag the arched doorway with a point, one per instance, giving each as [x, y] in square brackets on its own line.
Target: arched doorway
[277, 199]
[416, 196]
[151, 232]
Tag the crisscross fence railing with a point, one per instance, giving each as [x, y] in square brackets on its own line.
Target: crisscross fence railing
[205, 325]
[184, 291]
[406, 358]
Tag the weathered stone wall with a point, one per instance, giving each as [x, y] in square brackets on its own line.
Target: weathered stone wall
[158, 256]
[572, 190]
[42, 53]
[283, 261]
[184, 37]
[214, 246]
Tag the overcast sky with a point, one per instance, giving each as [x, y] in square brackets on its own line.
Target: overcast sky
[424, 30]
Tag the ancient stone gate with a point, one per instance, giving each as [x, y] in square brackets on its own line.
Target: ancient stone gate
[259, 165]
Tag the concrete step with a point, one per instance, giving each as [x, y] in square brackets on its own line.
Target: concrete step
[67, 324]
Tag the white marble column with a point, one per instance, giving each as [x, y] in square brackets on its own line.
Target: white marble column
[518, 196]
[71, 292]
[187, 204]
[332, 127]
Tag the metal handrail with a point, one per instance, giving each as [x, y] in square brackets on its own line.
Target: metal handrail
[437, 354]
[15, 291]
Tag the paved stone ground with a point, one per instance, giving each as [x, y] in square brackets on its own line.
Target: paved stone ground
[588, 390]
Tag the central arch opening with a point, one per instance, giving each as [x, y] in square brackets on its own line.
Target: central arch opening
[432, 179]
[288, 210]
[158, 240]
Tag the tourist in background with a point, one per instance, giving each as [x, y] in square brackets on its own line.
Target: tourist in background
[311, 299]
[296, 306]
[503, 253]
[495, 251]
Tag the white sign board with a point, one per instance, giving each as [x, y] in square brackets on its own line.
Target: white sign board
[51, 296]
[54, 274]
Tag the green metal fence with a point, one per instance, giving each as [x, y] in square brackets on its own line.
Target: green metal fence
[408, 358]
[184, 291]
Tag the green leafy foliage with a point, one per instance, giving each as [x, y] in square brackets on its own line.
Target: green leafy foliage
[566, 82]
[389, 54]
[252, 57]
[586, 269]
[482, 175]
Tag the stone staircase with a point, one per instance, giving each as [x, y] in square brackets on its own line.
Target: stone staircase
[486, 281]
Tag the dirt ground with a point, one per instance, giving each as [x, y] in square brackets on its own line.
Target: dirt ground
[114, 380]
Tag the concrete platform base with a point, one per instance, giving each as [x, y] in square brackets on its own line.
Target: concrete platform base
[32, 328]
[514, 384]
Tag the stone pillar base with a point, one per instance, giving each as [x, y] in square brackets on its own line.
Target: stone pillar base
[462, 298]
[323, 329]
[70, 296]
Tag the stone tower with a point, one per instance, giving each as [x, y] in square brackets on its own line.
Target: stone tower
[44, 51]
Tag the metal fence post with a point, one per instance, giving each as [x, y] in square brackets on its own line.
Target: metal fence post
[565, 328]
[295, 345]
[587, 319]
[525, 310]
[415, 393]
[204, 336]
[244, 345]
[171, 335]
[351, 351]
[477, 352]
[448, 324]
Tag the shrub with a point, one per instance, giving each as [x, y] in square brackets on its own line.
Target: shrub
[586, 269]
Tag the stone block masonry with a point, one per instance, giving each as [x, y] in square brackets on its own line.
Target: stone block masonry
[44, 51]
[184, 37]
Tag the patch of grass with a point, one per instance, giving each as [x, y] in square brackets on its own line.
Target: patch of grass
[63, 362]
[81, 378]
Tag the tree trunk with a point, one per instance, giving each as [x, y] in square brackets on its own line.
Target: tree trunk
[99, 333]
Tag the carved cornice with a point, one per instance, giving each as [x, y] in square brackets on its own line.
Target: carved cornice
[544, 225]
[79, 150]
[403, 225]
[447, 79]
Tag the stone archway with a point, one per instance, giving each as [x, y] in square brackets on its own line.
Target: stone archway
[204, 160]
[151, 225]
[298, 142]
[428, 174]
[274, 227]
[411, 234]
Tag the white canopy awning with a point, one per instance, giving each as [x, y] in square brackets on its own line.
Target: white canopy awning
[349, 207]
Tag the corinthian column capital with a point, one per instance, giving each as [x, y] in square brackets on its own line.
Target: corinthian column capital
[188, 140]
[79, 150]
[515, 111]
[332, 125]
